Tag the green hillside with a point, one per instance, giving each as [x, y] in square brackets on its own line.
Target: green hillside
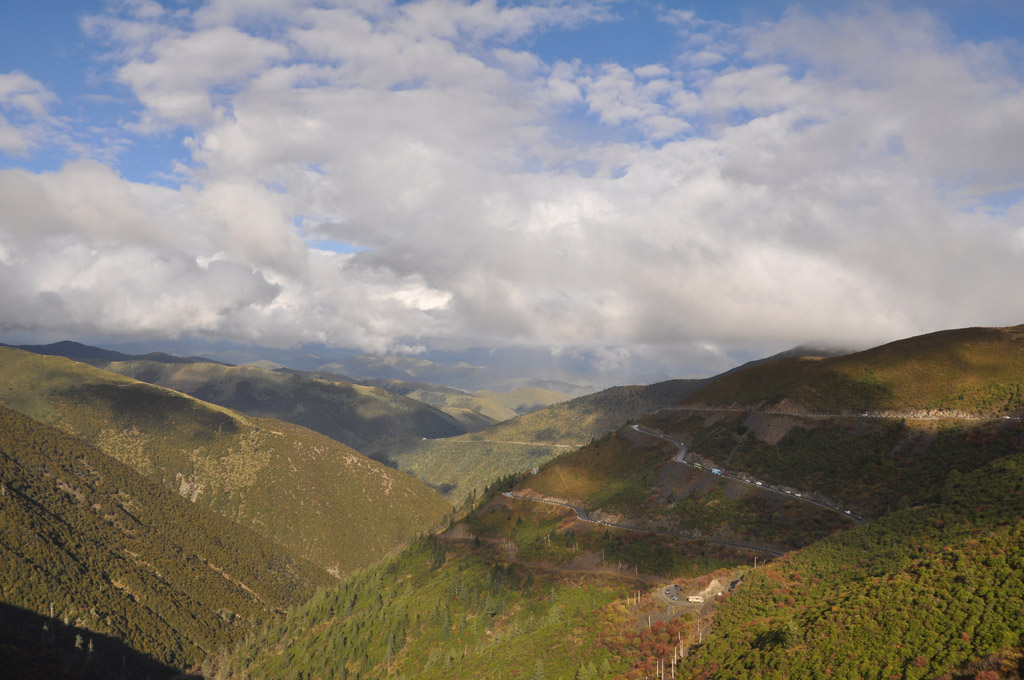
[326, 403]
[460, 466]
[146, 581]
[972, 370]
[305, 491]
[453, 608]
[922, 592]
[917, 594]
[930, 588]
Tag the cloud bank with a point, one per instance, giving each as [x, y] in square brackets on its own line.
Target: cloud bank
[367, 174]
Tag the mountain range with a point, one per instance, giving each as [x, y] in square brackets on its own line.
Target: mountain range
[848, 515]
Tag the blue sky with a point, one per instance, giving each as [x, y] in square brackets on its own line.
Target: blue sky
[672, 185]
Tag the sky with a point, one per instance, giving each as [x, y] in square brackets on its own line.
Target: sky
[646, 187]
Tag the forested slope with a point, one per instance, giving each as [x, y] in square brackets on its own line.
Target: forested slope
[915, 594]
[97, 551]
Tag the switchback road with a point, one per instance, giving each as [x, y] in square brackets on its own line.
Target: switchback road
[797, 496]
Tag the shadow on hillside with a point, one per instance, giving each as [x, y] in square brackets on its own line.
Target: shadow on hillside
[154, 409]
[35, 647]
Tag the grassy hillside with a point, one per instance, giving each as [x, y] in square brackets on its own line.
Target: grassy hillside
[464, 465]
[577, 421]
[329, 404]
[306, 491]
[972, 370]
[91, 550]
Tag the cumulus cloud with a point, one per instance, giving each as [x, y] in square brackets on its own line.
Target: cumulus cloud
[817, 178]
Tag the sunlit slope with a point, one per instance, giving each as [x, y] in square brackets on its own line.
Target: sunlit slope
[349, 413]
[301, 489]
[461, 465]
[632, 476]
[524, 399]
[972, 370]
[88, 541]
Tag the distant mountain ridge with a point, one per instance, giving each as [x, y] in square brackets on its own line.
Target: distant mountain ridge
[350, 413]
[80, 352]
[355, 412]
[461, 375]
[474, 410]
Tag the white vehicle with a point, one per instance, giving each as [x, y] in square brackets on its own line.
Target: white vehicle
[758, 483]
[696, 599]
[847, 512]
[797, 495]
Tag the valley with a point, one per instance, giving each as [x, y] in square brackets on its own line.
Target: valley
[811, 514]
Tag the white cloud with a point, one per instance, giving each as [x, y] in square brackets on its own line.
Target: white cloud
[19, 91]
[816, 178]
[179, 83]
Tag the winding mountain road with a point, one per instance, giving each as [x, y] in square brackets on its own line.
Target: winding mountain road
[797, 496]
[888, 415]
